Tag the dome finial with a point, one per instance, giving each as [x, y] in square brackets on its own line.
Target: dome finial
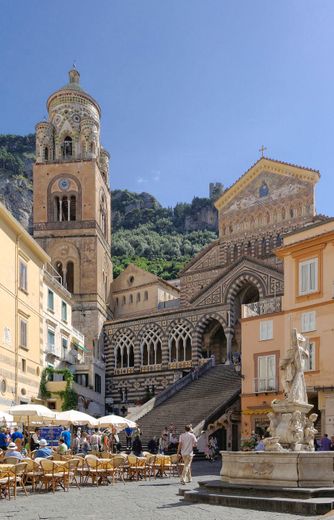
[74, 74]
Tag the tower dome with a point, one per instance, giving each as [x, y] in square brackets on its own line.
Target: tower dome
[74, 116]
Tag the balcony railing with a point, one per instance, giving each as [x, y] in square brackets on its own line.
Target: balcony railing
[265, 385]
[150, 368]
[267, 306]
[50, 349]
[180, 364]
[126, 370]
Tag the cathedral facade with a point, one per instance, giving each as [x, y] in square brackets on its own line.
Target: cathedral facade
[271, 199]
[71, 217]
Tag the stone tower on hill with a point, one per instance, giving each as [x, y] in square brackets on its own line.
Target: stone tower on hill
[71, 212]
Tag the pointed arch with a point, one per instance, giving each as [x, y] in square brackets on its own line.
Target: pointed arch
[150, 341]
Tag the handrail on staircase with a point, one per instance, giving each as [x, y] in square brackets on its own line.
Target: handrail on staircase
[170, 391]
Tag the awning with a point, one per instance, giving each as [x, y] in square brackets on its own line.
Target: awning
[81, 347]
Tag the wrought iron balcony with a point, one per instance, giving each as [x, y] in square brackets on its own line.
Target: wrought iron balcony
[267, 306]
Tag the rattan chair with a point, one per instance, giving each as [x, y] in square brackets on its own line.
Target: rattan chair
[33, 473]
[71, 469]
[96, 470]
[18, 472]
[53, 475]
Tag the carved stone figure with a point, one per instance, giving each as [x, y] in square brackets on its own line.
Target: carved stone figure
[292, 366]
[273, 418]
[310, 431]
[272, 444]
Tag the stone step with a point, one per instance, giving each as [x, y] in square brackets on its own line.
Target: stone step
[298, 506]
[223, 488]
[192, 404]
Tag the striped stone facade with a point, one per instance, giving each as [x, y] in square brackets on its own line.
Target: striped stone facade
[238, 268]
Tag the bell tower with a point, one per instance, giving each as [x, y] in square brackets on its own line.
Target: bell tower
[71, 215]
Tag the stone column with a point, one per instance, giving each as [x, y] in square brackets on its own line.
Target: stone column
[164, 353]
[229, 337]
[137, 356]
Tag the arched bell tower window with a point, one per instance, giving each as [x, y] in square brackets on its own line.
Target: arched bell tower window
[70, 277]
[65, 208]
[67, 147]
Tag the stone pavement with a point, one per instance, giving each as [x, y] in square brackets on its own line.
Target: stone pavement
[144, 500]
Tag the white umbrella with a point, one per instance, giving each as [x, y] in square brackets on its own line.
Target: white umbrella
[120, 423]
[35, 413]
[74, 417]
[6, 417]
[32, 412]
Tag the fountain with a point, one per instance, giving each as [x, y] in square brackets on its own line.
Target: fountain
[289, 459]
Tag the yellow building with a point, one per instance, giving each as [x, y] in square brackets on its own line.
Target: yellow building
[308, 306]
[21, 318]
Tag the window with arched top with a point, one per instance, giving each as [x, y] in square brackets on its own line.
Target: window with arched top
[131, 298]
[46, 153]
[64, 208]
[103, 215]
[70, 277]
[124, 350]
[180, 342]
[67, 147]
[151, 346]
[145, 295]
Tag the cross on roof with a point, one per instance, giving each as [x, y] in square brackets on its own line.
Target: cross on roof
[262, 149]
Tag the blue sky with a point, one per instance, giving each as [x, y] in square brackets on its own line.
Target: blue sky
[189, 89]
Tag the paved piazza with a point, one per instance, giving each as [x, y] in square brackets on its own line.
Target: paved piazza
[145, 500]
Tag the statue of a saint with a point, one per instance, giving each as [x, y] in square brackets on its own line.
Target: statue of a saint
[292, 366]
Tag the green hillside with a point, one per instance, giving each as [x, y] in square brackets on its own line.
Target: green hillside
[158, 239]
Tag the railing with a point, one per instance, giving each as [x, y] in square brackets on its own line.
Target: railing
[169, 304]
[267, 306]
[78, 335]
[180, 364]
[126, 370]
[51, 272]
[167, 393]
[265, 385]
[50, 349]
[150, 368]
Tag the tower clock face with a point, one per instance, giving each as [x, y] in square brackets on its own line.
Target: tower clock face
[64, 184]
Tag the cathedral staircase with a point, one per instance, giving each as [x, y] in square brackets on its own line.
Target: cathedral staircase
[194, 403]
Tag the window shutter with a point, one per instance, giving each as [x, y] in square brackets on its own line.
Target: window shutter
[303, 278]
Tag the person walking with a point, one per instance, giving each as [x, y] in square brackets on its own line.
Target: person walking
[66, 435]
[187, 443]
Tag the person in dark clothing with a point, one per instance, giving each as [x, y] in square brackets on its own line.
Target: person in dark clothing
[3, 439]
[137, 447]
[153, 446]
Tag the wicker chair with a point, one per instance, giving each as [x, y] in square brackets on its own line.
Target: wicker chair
[53, 475]
[33, 473]
[18, 472]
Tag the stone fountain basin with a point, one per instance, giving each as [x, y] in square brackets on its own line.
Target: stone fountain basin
[282, 469]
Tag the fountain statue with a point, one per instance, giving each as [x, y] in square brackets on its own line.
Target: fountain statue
[289, 427]
[289, 458]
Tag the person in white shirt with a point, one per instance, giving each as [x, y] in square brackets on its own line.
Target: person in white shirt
[187, 443]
